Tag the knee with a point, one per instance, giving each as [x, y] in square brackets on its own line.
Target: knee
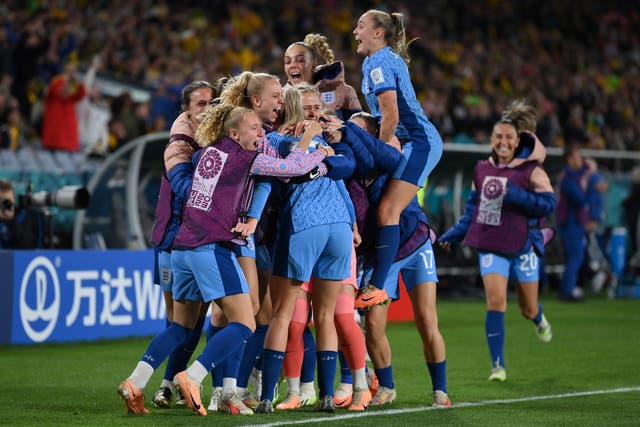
[528, 312]
[247, 321]
[387, 213]
[322, 319]
[495, 303]
[375, 331]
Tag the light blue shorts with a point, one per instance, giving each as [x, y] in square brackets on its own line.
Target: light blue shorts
[323, 251]
[206, 273]
[248, 250]
[163, 275]
[264, 257]
[526, 266]
[417, 268]
[417, 164]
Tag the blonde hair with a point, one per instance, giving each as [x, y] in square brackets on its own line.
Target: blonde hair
[395, 34]
[238, 90]
[319, 47]
[292, 110]
[218, 121]
[304, 88]
[368, 119]
[522, 114]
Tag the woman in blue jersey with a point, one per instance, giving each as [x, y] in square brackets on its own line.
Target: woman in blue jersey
[391, 98]
[415, 260]
[511, 194]
[314, 238]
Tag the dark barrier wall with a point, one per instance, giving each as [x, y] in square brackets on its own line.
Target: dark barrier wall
[62, 296]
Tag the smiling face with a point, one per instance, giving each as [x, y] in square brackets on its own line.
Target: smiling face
[369, 38]
[268, 102]
[199, 100]
[298, 66]
[504, 141]
[249, 131]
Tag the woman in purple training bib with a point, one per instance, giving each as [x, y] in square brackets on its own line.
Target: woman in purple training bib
[510, 195]
[204, 261]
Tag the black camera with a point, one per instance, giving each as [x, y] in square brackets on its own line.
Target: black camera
[68, 197]
[6, 205]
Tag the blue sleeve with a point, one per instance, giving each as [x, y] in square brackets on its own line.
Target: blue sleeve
[595, 200]
[261, 193]
[342, 165]
[180, 177]
[347, 200]
[537, 205]
[571, 189]
[369, 151]
[456, 234]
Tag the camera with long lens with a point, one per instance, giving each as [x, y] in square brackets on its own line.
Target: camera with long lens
[68, 197]
[6, 205]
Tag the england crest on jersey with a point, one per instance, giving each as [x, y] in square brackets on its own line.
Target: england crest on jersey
[328, 98]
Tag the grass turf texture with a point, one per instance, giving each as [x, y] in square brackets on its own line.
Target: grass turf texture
[596, 346]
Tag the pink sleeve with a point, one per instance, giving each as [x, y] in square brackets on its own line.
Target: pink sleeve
[297, 163]
[264, 146]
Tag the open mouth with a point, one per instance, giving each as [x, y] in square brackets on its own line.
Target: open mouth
[503, 148]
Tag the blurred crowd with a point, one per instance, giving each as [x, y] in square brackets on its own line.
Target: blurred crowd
[579, 65]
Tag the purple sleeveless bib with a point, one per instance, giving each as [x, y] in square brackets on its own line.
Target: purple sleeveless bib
[165, 210]
[221, 184]
[496, 226]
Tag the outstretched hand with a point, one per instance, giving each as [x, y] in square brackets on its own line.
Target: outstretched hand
[245, 229]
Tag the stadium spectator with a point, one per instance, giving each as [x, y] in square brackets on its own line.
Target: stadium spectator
[60, 125]
[13, 132]
[6, 62]
[387, 87]
[510, 194]
[32, 44]
[131, 125]
[94, 114]
[596, 54]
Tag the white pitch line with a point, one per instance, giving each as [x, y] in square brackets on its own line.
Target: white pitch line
[453, 406]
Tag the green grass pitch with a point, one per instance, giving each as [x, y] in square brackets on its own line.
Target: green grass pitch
[588, 375]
